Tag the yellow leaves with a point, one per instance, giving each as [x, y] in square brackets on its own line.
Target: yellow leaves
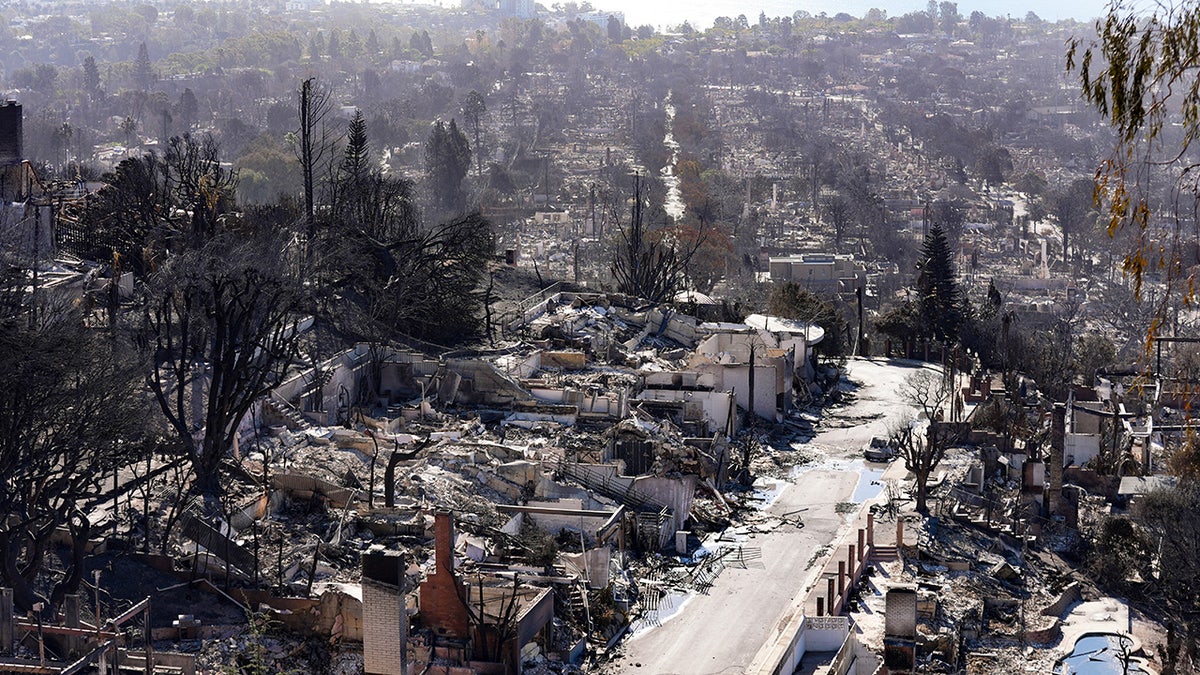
[207, 193]
[1152, 333]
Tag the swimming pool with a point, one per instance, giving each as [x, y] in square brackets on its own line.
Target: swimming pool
[1100, 654]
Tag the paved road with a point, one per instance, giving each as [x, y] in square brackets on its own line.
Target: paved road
[875, 386]
[720, 633]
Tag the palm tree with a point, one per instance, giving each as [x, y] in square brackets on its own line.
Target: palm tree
[129, 128]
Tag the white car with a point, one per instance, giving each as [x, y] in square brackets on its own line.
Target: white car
[879, 450]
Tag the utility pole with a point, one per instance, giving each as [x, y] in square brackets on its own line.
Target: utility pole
[750, 407]
[858, 294]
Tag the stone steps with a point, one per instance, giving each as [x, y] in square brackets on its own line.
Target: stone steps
[884, 553]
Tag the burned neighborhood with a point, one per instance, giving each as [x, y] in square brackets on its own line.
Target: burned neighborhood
[492, 338]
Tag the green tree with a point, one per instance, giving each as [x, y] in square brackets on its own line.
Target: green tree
[420, 43]
[950, 217]
[356, 158]
[335, 44]
[128, 128]
[372, 45]
[353, 48]
[42, 77]
[1071, 206]
[948, 17]
[1031, 184]
[901, 322]
[316, 44]
[143, 70]
[614, 29]
[148, 12]
[1121, 550]
[790, 300]
[994, 164]
[188, 107]
[939, 303]
[473, 110]
[447, 159]
[354, 192]
[267, 171]
[91, 78]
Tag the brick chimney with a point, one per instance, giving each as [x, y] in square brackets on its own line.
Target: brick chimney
[443, 543]
[442, 593]
[1054, 472]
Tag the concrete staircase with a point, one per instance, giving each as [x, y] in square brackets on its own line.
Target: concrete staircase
[884, 553]
[289, 414]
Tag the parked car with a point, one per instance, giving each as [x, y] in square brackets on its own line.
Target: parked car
[879, 450]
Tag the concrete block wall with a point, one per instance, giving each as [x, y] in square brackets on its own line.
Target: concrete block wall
[385, 635]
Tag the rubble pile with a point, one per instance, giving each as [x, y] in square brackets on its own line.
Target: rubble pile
[565, 457]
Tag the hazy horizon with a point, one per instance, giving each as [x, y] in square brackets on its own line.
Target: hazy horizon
[701, 13]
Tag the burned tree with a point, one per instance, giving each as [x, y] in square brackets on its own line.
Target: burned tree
[151, 204]
[387, 274]
[218, 303]
[70, 414]
[1172, 517]
[313, 137]
[924, 440]
[650, 264]
[219, 327]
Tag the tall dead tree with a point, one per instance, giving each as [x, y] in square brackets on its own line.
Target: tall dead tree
[650, 264]
[314, 108]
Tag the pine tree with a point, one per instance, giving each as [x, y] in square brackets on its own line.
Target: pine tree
[91, 78]
[372, 45]
[420, 42]
[353, 46]
[356, 159]
[188, 108]
[358, 185]
[447, 159]
[939, 304]
[335, 44]
[143, 72]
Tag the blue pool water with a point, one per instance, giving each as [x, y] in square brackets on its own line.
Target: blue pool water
[1097, 654]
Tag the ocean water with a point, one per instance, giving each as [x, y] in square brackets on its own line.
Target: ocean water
[700, 13]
